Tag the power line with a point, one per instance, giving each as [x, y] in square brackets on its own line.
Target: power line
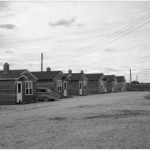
[126, 27]
[117, 37]
[118, 34]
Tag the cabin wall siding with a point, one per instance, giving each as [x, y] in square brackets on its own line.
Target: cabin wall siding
[102, 86]
[115, 87]
[96, 87]
[85, 92]
[47, 84]
[124, 86]
[7, 92]
[93, 87]
[111, 86]
[74, 88]
[30, 98]
[121, 86]
[51, 85]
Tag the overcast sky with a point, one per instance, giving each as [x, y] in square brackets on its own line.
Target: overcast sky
[102, 37]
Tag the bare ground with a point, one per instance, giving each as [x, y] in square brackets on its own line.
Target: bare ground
[115, 120]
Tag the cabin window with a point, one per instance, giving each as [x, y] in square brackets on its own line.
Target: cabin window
[59, 86]
[28, 88]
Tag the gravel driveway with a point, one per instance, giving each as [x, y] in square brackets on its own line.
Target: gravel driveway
[115, 120]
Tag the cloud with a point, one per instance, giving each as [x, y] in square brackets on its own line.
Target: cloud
[81, 25]
[7, 15]
[63, 22]
[9, 52]
[145, 57]
[110, 50]
[3, 5]
[7, 26]
[1, 64]
[110, 69]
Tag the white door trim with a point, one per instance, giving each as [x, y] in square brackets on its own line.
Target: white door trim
[80, 87]
[65, 88]
[19, 91]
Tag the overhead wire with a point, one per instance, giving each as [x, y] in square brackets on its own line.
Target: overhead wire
[114, 36]
[118, 32]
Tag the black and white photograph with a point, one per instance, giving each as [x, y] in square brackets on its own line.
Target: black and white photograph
[74, 74]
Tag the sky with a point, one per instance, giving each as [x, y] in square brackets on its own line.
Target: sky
[107, 37]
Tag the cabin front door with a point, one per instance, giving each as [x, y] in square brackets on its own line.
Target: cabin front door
[65, 88]
[19, 91]
[80, 88]
[105, 90]
[112, 89]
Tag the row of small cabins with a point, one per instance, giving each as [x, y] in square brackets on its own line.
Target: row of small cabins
[20, 85]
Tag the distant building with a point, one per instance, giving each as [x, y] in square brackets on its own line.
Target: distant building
[111, 83]
[17, 86]
[97, 83]
[54, 80]
[121, 83]
[78, 83]
[135, 82]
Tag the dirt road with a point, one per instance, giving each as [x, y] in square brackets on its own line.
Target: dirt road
[115, 120]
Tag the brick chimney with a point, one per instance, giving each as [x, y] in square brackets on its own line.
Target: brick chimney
[6, 68]
[69, 71]
[82, 72]
[48, 69]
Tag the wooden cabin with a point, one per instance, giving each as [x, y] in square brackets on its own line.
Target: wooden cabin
[78, 83]
[17, 86]
[54, 80]
[121, 83]
[111, 83]
[97, 83]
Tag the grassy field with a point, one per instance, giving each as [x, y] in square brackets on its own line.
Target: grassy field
[114, 120]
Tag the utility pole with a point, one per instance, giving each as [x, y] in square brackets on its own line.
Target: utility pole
[41, 62]
[130, 76]
[136, 77]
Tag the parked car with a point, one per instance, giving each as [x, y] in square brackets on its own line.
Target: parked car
[46, 94]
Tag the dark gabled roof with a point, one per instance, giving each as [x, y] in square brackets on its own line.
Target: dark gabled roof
[11, 74]
[120, 78]
[94, 76]
[65, 76]
[110, 78]
[46, 75]
[75, 76]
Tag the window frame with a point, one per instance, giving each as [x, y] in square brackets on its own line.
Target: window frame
[59, 86]
[29, 88]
